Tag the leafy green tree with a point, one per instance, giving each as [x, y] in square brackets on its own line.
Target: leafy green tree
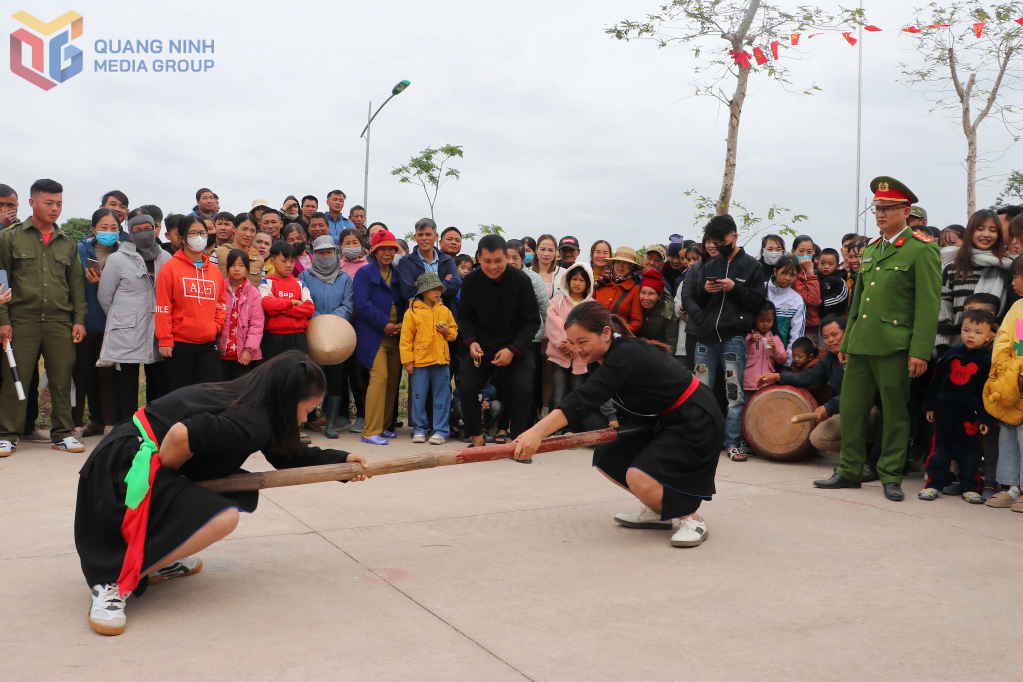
[776, 220]
[77, 228]
[961, 71]
[1013, 192]
[700, 25]
[484, 230]
[428, 171]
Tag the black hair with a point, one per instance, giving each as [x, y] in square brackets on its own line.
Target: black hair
[278, 386]
[139, 210]
[100, 213]
[586, 278]
[957, 230]
[463, 258]
[233, 255]
[1009, 212]
[492, 242]
[1016, 228]
[979, 316]
[7, 191]
[307, 198]
[518, 246]
[241, 218]
[935, 232]
[769, 307]
[831, 252]
[46, 186]
[594, 317]
[695, 249]
[199, 193]
[186, 222]
[805, 345]
[319, 215]
[816, 252]
[372, 225]
[154, 210]
[224, 215]
[1017, 267]
[787, 262]
[800, 239]
[117, 194]
[531, 243]
[170, 223]
[336, 191]
[448, 229]
[350, 231]
[282, 248]
[293, 227]
[271, 210]
[291, 197]
[840, 320]
[354, 209]
[719, 227]
[984, 299]
[848, 237]
[773, 238]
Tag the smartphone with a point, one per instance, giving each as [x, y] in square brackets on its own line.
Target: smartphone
[712, 279]
[93, 263]
[3, 279]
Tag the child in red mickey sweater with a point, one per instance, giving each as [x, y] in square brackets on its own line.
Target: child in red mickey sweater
[287, 303]
[955, 402]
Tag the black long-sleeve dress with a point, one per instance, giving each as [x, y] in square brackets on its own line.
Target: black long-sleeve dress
[681, 451]
[220, 436]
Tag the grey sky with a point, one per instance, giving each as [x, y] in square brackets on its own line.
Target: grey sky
[565, 130]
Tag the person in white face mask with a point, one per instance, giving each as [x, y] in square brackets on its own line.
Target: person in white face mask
[772, 247]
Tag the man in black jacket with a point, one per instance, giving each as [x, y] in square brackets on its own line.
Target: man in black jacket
[722, 299]
[497, 319]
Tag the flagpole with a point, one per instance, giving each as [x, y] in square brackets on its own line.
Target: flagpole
[859, 124]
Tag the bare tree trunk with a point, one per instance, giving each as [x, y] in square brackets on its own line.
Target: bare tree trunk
[971, 172]
[738, 40]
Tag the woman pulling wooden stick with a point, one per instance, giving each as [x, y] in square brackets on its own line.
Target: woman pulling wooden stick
[671, 467]
[141, 516]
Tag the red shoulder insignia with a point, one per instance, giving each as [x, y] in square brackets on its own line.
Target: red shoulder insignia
[872, 241]
[900, 241]
[925, 239]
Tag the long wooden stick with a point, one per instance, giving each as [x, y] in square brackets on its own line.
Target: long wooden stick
[800, 418]
[441, 458]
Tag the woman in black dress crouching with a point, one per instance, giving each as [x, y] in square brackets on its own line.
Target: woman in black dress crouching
[670, 467]
[141, 514]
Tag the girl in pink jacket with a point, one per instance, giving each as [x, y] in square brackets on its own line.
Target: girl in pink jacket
[763, 349]
[243, 327]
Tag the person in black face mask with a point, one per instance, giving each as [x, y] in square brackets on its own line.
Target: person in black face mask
[722, 299]
[294, 234]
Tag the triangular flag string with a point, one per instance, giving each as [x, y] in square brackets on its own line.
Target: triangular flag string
[978, 28]
[848, 36]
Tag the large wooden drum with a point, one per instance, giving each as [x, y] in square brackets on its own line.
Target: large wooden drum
[331, 339]
[767, 425]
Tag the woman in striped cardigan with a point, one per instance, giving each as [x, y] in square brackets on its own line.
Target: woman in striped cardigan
[980, 266]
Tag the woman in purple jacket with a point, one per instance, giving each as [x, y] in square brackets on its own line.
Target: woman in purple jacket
[379, 308]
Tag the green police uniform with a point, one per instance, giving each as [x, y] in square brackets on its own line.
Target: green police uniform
[48, 290]
[894, 316]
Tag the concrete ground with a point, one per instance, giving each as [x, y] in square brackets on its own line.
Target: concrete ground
[505, 571]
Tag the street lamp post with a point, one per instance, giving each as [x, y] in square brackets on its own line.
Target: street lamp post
[396, 90]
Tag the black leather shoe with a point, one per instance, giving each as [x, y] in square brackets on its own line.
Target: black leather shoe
[893, 491]
[869, 473]
[836, 481]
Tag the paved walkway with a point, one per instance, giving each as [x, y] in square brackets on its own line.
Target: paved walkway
[503, 571]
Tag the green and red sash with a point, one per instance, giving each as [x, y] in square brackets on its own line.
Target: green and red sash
[136, 517]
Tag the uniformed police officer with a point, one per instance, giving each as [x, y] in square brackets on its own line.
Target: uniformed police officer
[889, 337]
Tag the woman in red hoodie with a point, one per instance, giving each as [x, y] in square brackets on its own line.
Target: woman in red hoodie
[190, 310]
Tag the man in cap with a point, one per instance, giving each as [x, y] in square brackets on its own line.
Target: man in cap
[888, 339]
[917, 216]
[654, 257]
[568, 247]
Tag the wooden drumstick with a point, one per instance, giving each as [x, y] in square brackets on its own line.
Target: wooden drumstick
[808, 417]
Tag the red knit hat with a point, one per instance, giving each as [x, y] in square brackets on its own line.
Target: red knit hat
[654, 280]
[381, 239]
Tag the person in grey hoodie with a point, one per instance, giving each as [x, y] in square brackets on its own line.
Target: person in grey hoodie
[127, 294]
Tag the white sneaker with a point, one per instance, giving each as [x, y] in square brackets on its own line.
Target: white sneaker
[7, 448]
[690, 533]
[437, 439]
[106, 610]
[645, 518]
[418, 437]
[304, 438]
[179, 569]
[69, 444]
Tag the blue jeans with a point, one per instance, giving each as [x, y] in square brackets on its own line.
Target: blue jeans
[732, 352]
[425, 382]
[1009, 460]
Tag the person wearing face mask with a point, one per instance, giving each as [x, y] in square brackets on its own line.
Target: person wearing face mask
[294, 234]
[723, 298]
[127, 294]
[333, 293]
[290, 210]
[191, 309]
[772, 247]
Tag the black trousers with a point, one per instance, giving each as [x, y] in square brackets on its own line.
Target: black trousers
[156, 380]
[514, 385]
[193, 363]
[354, 387]
[127, 391]
[232, 369]
[275, 344]
[97, 384]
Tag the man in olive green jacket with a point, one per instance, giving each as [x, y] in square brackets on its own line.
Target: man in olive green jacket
[46, 314]
[889, 338]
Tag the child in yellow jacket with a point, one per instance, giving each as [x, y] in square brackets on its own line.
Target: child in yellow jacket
[427, 328]
[1003, 401]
